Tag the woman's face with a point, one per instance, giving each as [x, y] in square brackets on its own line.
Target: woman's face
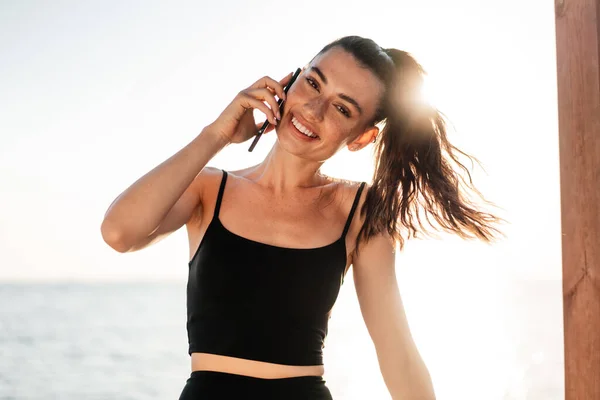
[333, 100]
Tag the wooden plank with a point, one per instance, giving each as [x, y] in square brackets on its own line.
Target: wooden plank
[578, 55]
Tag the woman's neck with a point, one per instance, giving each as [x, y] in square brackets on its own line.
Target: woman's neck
[283, 172]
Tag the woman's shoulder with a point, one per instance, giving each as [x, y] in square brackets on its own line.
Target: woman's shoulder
[207, 181]
[210, 174]
[347, 193]
[349, 187]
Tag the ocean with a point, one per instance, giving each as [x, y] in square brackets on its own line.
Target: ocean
[127, 341]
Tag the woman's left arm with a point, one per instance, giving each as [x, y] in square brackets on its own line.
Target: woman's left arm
[402, 367]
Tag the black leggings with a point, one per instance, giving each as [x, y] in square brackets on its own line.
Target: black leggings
[212, 385]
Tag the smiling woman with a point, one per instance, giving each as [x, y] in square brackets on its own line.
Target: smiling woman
[262, 284]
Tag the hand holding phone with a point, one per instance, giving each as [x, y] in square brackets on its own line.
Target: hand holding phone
[280, 105]
[236, 123]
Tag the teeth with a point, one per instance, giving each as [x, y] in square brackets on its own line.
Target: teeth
[302, 128]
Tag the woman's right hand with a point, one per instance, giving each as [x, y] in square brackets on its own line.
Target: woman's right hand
[236, 123]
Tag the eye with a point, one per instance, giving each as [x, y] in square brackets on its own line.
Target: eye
[344, 111]
[315, 85]
[312, 83]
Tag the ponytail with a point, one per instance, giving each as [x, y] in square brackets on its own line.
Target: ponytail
[413, 171]
[415, 165]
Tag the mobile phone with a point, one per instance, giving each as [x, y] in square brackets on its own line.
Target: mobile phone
[280, 104]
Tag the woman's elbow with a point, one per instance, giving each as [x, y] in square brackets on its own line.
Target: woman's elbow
[114, 236]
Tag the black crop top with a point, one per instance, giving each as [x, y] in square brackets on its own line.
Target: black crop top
[251, 300]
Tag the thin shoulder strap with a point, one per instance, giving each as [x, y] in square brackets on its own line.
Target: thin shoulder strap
[354, 205]
[220, 195]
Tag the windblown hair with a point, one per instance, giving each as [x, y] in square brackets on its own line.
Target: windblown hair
[413, 157]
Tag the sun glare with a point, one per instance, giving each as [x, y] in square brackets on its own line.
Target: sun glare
[429, 93]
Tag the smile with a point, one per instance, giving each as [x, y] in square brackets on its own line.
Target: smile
[302, 129]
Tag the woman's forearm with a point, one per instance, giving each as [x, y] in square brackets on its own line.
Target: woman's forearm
[408, 380]
[139, 210]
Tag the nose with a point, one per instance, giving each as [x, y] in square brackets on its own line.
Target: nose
[314, 109]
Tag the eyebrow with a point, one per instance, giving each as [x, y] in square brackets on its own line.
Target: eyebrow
[341, 95]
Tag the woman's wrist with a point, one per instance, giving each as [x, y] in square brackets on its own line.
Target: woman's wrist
[214, 137]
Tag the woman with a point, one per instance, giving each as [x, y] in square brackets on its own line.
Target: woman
[270, 244]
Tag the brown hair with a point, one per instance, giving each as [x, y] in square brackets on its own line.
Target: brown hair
[413, 157]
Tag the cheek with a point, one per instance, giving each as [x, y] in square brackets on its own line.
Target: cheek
[337, 127]
[299, 93]
[338, 130]
[341, 129]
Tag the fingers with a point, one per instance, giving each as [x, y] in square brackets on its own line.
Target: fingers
[286, 79]
[269, 82]
[267, 95]
[264, 90]
[268, 129]
[248, 101]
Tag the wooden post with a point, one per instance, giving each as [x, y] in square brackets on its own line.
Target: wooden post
[578, 55]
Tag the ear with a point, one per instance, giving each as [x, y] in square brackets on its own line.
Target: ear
[368, 136]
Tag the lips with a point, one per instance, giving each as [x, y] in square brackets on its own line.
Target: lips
[304, 124]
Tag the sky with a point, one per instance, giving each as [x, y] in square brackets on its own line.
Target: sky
[95, 94]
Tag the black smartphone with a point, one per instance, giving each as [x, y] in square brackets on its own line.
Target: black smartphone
[280, 104]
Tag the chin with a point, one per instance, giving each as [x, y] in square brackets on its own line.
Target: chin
[287, 144]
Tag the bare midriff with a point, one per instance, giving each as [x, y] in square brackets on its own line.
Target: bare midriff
[257, 369]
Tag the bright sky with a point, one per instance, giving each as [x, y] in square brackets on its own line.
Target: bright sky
[93, 95]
